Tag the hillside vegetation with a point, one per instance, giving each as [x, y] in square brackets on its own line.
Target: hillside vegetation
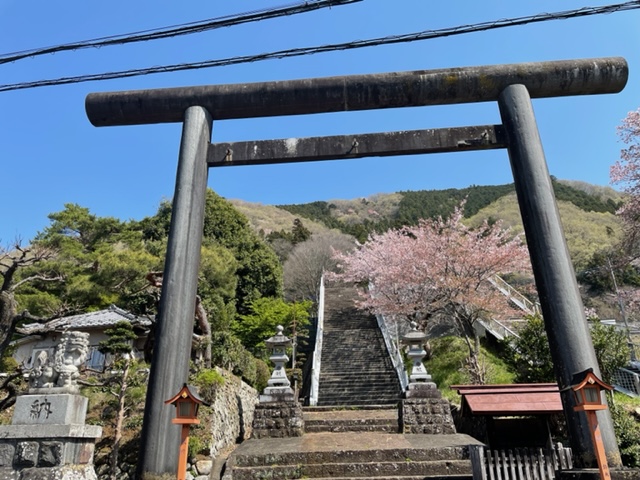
[378, 213]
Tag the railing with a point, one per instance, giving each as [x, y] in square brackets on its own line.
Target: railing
[627, 381]
[394, 353]
[498, 329]
[315, 367]
[515, 296]
[519, 464]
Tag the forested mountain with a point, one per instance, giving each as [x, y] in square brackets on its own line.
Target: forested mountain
[380, 212]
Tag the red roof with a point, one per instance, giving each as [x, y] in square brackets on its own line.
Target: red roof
[510, 400]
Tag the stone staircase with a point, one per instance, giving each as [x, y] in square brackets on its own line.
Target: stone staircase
[356, 369]
[353, 455]
[320, 419]
[353, 433]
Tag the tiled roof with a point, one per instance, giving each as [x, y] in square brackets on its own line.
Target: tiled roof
[100, 319]
[510, 400]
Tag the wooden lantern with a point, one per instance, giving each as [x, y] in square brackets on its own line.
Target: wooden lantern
[587, 391]
[187, 404]
[587, 388]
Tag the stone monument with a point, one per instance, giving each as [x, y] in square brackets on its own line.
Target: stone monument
[278, 414]
[48, 438]
[422, 410]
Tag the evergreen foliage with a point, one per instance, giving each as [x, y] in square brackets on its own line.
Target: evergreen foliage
[528, 355]
[430, 204]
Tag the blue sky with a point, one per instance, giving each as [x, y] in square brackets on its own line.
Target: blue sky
[51, 155]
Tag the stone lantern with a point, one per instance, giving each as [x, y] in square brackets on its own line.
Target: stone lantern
[420, 383]
[415, 341]
[422, 410]
[278, 386]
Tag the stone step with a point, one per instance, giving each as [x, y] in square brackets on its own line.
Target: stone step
[354, 469]
[352, 421]
[345, 427]
[364, 375]
[340, 401]
[347, 381]
[320, 448]
[403, 477]
[354, 409]
[348, 385]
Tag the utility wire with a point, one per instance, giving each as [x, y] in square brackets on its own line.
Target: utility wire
[296, 52]
[177, 30]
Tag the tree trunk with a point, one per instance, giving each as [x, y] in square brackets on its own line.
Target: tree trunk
[8, 319]
[205, 327]
[120, 416]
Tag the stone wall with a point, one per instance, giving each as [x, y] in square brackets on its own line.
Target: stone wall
[230, 420]
[426, 415]
[233, 409]
[278, 420]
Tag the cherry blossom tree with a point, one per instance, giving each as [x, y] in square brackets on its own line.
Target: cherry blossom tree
[438, 268]
[626, 173]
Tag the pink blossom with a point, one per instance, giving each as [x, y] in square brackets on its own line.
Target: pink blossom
[437, 266]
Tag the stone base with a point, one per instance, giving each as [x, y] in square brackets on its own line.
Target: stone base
[67, 472]
[594, 474]
[278, 420]
[426, 415]
[46, 446]
[50, 409]
[277, 395]
[422, 390]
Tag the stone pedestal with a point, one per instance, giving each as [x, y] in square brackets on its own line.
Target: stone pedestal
[426, 415]
[278, 420]
[48, 439]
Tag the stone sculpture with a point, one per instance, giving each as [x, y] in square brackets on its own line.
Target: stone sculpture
[59, 372]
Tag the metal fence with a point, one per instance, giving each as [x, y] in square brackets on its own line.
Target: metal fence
[627, 381]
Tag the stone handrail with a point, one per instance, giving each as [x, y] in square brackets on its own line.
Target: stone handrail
[394, 353]
[315, 368]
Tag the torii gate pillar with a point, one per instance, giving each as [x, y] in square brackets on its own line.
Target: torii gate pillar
[569, 338]
[174, 328]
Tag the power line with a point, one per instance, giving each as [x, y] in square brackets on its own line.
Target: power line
[296, 52]
[176, 30]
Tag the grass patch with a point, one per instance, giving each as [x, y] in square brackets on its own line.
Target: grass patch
[447, 366]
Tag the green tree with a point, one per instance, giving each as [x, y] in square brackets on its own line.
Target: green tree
[299, 233]
[13, 279]
[103, 261]
[258, 271]
[528, 355]
[119, 345]
[627, 430]
[265, 315]
[612, 350]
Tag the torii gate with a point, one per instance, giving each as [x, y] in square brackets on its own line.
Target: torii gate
[512, 86]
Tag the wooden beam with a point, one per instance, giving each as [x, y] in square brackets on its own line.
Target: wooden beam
[343, 147]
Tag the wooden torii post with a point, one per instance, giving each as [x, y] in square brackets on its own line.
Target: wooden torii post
[512, 86]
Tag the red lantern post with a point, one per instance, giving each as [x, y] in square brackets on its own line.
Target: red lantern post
[187, 404]
[587, 388]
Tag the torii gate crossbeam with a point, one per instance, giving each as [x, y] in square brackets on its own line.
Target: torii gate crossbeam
[512, 86]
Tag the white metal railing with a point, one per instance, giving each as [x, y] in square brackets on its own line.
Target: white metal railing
[393, 350]
[315, 365]
[498, 329]
[515, 296]
[627, 381]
